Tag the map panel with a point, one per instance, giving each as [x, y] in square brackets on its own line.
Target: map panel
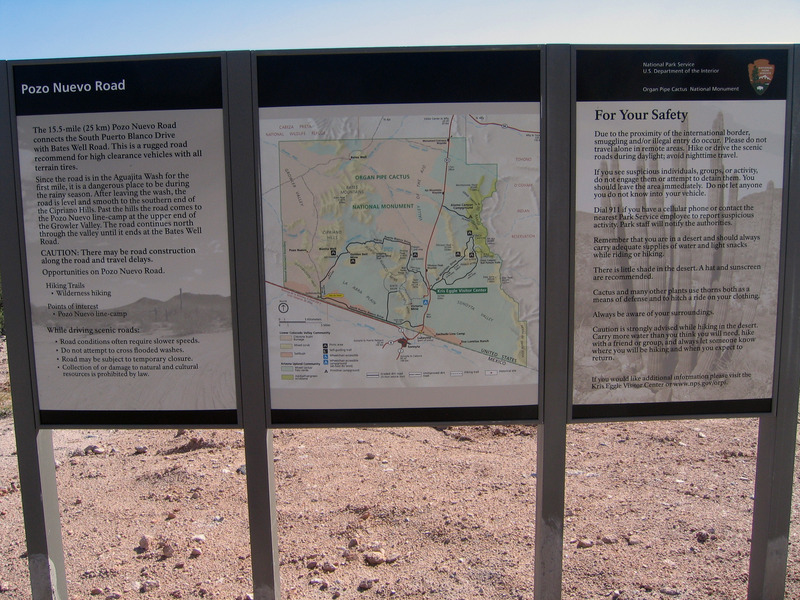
[402, 251]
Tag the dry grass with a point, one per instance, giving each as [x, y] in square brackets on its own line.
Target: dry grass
[5, 404]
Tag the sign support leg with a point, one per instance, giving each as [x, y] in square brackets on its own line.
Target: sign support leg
[262, 514]
[552, 432]
[254, 387]
[777, 433]
[37, 476]
[37, 473]
[773, 506]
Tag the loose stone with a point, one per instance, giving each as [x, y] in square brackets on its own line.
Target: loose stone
[374, 558]
[366, 584]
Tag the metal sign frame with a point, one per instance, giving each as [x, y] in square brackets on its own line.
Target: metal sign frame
[361, 78]
[777, 428]
[169, 90]
[631, 88]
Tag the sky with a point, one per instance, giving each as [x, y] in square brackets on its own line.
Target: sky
[32, 29]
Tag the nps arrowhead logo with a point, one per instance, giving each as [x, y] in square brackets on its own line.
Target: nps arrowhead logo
[761, 74]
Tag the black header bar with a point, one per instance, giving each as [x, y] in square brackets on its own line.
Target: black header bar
[399, 77]
[681, 74]
[120, 85]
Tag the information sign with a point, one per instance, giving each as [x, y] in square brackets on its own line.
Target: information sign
[401, 218]
[679, 176]
[124, 198]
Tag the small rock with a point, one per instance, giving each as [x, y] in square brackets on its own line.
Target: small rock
[615, 594]
[669, 591]
[195, 552]
[5, 586]
[171, 515]
[145, 542]
[323, 585]
[218, 519]
[610, 539]
[366, 584]
[702, 536]
[148, 586]
[370, 456]
[350, 555]
[176, 594]
[585, 543]
[634, 540]
[167, 550]
[352, 543]
[336, 595]
[392, 558]
[140, 449]
[195, 495]
[328, 567]
[374, 558]
[113, 596]
[242, 470]
[312, 564]
[180, 565]
[199, 539]
[96, 591]
[375, 546]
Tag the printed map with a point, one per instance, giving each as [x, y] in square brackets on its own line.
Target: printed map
[424, 228]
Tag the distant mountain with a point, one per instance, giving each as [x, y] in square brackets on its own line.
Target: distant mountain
[183, 314]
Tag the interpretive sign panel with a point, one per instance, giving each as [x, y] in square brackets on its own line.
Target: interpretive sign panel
[402, 230]
[679, 171]
[124, 194]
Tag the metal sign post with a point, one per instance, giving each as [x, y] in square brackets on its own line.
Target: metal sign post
[777, 433]
[251, 333]
[37, 473]
[552, 432]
